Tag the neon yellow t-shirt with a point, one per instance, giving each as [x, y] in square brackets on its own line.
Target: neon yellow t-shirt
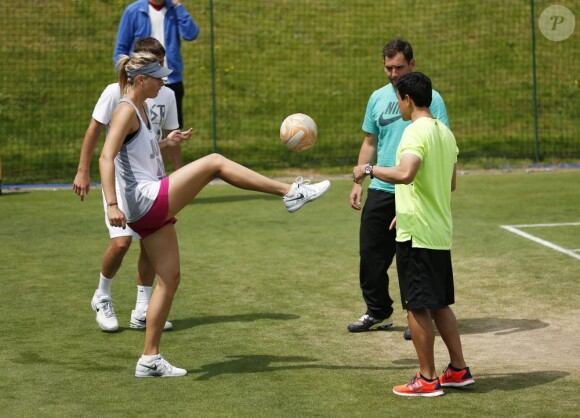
[424, 206]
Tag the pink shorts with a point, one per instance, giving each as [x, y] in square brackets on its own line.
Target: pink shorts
[156, 217]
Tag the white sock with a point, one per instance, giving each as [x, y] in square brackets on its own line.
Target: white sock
[143, 296]
[291, 192]
[148, 359]
[105, 285]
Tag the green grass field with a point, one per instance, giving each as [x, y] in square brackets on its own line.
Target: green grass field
[260, 317]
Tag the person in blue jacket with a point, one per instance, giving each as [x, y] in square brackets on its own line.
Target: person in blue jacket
[167, 21]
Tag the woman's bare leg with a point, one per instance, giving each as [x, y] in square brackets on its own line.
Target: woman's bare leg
[188, 181]
[163, 251]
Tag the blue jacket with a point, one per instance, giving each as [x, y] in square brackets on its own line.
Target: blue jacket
[135, 24]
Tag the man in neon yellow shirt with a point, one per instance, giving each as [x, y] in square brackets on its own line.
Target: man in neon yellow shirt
[425, 176]
[383, 128]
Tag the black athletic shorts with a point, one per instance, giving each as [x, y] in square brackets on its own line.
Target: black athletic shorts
[425, 277]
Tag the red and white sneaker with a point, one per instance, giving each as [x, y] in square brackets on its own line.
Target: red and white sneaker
[456, 378]
[418, 386]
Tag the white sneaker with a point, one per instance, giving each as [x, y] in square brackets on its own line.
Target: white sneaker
[159, 368]
[139, 321]
[303, 192]
[103, 306]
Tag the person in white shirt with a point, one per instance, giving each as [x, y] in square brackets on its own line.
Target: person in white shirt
[164, 119]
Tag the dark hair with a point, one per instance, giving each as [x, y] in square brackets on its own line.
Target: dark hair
[417, 86]
[149, 44]
[394, 46]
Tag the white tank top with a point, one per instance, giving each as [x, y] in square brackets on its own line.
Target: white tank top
[139, 169]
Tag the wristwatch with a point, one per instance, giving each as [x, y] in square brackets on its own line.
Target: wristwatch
[369, 171]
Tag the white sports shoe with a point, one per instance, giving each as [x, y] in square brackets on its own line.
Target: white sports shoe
[303, 192]
[159, 368]
[103, 306]
[139, 321]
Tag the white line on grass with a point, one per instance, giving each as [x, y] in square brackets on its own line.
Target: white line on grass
[544, 225]
[515, 229]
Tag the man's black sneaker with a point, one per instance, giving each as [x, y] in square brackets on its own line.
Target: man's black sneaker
[368, 323]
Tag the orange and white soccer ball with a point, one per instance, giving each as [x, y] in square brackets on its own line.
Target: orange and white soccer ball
[298, 132]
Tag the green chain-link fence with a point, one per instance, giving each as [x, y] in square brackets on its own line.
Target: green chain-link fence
[268, 59]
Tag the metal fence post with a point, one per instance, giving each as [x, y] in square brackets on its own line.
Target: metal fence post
[534, 80]
[213, 88]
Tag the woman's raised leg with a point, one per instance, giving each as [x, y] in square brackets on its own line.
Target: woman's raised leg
[188, 181]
